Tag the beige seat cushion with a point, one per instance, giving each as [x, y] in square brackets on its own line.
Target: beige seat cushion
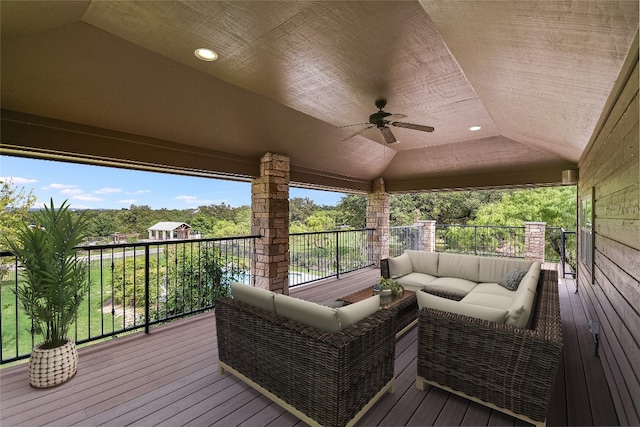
[493, 289]
[424, 262]
[257, 297]
[353, 313]
[399, 265]
[488, 300]
[415, 281]
[486, 313]
[461, 266]
[452, 285]
[309, 313]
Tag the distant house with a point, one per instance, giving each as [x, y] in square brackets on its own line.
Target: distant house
[169, 231]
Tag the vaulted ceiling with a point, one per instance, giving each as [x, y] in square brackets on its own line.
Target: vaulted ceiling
[116, 82]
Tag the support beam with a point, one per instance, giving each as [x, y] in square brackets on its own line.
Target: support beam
[378, 219]
[270, 220]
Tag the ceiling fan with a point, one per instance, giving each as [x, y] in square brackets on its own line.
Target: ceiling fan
[381, 119]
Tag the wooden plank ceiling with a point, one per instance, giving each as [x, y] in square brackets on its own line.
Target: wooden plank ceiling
[117, 81]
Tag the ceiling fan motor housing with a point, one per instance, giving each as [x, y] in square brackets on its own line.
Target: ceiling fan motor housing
[378, 118]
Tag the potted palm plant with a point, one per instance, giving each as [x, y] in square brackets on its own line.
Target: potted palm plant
[55, 282]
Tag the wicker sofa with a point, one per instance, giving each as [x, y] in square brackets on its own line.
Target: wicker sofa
[328, 374]
[497, 289]
[511, 369]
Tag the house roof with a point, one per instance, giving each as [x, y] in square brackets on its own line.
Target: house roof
[168, 226]
[116, 82]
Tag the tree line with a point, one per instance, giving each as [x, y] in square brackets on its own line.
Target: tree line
[554, 205]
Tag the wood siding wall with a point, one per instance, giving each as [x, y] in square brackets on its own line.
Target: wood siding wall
[611, 295]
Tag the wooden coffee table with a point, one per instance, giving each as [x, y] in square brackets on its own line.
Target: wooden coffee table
[405, 307]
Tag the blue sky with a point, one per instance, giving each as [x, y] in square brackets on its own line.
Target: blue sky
[96, 187]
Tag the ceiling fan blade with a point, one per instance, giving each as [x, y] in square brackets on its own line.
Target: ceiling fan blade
[388, 135]
[413, 126]
[355, 124]
[356, 133]
[391, 117]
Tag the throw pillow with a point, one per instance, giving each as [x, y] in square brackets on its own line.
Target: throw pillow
[400, 265]
[512, 279]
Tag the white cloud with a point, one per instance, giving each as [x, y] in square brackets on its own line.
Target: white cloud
[17, 180]
[55, 186]
[187, 199]
[127, 202]
[87, 198]
[194, 201]
[71, 191]
[139, 192]
[108, 190]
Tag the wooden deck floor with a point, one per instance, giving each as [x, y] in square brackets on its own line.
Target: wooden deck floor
[170, 378]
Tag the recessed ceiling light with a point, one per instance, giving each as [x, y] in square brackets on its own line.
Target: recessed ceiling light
[475, 128]
[205, 54]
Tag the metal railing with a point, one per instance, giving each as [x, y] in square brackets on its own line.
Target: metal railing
[136, 285]
[560, 244]
[319, 255]
[486, 240]
[404, 237]
[133, 286]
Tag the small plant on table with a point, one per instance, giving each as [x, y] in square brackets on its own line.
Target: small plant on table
[383, 284]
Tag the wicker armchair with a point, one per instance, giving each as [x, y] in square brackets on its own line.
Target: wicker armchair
[503, 367]
[322, 378]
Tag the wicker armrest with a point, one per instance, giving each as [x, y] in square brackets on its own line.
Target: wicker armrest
[511, 368]
[328, 377]
[384, 268]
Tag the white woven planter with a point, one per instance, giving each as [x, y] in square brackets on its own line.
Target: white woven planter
[48, 368]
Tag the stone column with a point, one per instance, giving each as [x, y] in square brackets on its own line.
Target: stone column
[378, 219]
[428, 234]
[534, 240]
[270, 220]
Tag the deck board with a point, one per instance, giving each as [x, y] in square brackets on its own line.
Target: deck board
[170, 377]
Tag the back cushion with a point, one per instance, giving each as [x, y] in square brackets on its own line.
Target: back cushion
[399, 265]
[461, 266]
[486, 313]
[309, 313]
[493, 269]
[424, 262]
[353, 313]
[520, 309]
[257, 297]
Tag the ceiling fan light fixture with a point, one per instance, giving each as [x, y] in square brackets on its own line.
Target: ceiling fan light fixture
[204, 54]
[475, 128]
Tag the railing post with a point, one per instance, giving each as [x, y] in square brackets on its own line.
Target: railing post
[562, 251]
[337, 255]
[534, 240]
[146, 289]
[475, 240]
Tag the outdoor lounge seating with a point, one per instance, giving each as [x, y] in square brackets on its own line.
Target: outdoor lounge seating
[497, 289]
[508, 368]
[327, 370]
[485, 332]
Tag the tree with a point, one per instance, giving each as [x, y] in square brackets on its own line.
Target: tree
[555, 206]
[14, 205]
[352, 211]
[101, 223]
[301, 208]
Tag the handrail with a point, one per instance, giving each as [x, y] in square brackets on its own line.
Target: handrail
[323, 254]
[137, 285]
[134, 286]
[487, 240]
